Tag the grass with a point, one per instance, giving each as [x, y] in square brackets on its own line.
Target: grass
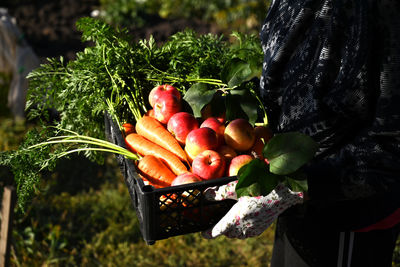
[72, 224]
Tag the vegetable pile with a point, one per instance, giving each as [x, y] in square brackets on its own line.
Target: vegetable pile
[202, 76]
[177, 148]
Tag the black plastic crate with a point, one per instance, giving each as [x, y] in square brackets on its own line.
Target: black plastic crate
[171, 211]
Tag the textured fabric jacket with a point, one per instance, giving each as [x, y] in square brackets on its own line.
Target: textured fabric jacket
[332, 70]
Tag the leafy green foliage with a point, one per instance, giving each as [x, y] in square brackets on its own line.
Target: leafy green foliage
[116, 74]
[286, 153]
[198, 96]
[242, 15]
[255, 179]
[189, 55]
[25, 166]
[236, 72]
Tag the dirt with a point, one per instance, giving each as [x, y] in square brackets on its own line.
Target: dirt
[49, 26]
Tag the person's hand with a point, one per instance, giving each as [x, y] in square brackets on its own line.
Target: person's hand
[250, 216]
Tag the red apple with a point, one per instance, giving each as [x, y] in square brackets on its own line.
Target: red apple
[166, 106]
[237, 163]
[217, 126]
[228, 153]
[239, 134]
[257, 149]
[181, 124]
[186, 178]
[209, 164]
[160, 90]
[199, 140]
[188, 197]
[263, 132]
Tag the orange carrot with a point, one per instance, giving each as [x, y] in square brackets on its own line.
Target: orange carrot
[141, 145]
[155, 171]
[128, 128]
[154, 131]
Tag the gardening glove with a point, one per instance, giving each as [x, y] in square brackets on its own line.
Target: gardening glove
[249, 216]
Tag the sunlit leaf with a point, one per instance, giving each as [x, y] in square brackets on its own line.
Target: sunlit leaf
[287, 152]
[198, 96]
[236, 71]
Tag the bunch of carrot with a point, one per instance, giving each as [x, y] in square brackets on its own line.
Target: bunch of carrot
[163, 157]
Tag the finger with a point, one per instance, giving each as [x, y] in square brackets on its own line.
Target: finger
[221, 192]
[290, 196]
[238, 222]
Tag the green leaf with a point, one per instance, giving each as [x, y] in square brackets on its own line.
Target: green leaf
[198, 96]
[255, 179]
[255, 66]
[248, 104]
[241, 104]
[233, 109]
[236, 71]
[297, 185]
[287, 152]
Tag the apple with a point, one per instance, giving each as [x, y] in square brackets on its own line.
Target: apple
[237, 163]
[257, 149]
[239, 134]
[199, 140]
[189, 198]
[160, 90]
[217, 126]
[209, 164]
[186, 178]
[166, 106]
[263, 132]
[181, 124]
[228, 153]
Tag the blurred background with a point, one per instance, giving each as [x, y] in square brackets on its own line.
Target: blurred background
[83, 214]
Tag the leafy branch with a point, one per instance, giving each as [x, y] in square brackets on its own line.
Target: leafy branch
[286, 153]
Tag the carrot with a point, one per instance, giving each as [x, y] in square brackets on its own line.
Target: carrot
[154, 131]
[128, 128]
[141, 145]
[155, 171]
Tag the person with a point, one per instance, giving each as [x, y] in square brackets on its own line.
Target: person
[331, 70]
[17, 59]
